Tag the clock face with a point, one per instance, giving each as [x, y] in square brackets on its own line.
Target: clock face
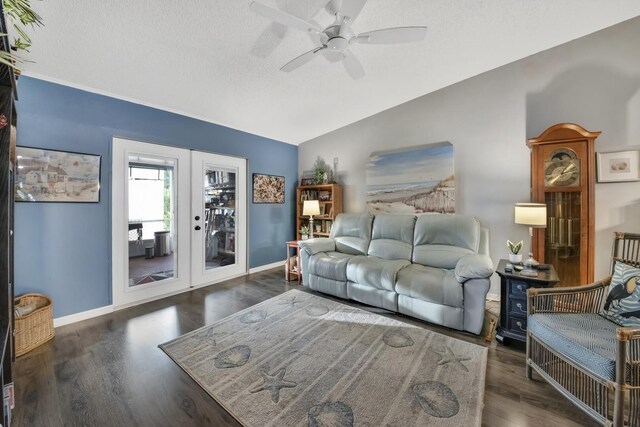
[562, 172]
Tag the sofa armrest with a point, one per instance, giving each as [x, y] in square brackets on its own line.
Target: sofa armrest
[320, 244]
[473, 266]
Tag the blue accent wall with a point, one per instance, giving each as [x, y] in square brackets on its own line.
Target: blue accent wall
[64, 249]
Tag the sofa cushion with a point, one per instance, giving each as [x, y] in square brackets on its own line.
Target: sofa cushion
[430, 284]
[330, 265]
[441, 240]
[375, 272]
[352, 232]
[392, 236]
[622, 305]
[587, 339]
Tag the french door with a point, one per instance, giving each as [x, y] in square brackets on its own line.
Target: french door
[178, 220]
[218, 249]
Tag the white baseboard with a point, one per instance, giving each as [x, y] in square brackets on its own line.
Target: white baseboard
[266, 267]
[83, 315]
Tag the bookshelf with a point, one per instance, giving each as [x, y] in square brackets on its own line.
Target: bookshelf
[329, 197]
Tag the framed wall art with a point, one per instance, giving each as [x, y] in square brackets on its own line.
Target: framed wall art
[44, 175]
[412, 180]
[618, 166]
[268, 188]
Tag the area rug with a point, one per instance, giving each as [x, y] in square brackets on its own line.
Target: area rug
[303, 360]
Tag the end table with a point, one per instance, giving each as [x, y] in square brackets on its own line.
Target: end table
[513, 300]
[293, 271]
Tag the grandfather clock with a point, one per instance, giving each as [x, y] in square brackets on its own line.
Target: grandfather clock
[563, 177]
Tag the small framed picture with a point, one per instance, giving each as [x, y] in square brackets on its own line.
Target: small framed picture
[306, 181]
[618, 166]
[268, 188]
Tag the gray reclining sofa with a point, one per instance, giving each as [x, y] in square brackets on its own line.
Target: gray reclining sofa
[431, 267]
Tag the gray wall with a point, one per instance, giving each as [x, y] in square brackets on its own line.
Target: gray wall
[592, 81]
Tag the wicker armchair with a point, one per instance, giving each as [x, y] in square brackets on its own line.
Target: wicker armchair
[590, 360]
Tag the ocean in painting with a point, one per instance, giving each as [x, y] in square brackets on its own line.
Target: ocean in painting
[414, 180]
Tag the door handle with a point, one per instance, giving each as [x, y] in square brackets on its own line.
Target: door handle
[197, 228]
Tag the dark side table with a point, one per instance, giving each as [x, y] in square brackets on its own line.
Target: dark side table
[513, 300]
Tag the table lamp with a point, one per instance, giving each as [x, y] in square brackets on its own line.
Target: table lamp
[311, 208]
[535, 216]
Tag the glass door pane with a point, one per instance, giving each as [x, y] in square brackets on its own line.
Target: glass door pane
[220, 217]
[152, 230]
[562, 240]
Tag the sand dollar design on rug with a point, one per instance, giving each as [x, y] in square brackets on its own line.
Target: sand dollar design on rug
[233, 357]
[437, 399]
[331, 414]
[370, 368]
[273, 383]
[317, 310]
[254, 316]
[397, 339]
[447, 356]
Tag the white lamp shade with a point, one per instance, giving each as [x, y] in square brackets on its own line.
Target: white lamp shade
[531, 214]
[311, 207]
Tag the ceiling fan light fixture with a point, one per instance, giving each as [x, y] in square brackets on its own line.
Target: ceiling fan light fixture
[338, 43]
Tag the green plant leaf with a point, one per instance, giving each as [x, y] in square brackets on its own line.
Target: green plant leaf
[514, 247]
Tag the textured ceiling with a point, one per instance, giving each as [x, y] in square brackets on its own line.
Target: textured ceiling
[218, 61]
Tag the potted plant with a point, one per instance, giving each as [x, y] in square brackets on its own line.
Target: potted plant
[20, 16]
[304, 232]
[515, 257]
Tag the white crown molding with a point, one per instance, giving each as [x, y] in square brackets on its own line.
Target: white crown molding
[137, 102]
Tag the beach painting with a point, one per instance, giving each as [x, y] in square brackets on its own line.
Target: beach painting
[414, 180]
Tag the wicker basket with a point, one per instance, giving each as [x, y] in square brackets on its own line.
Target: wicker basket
[35, 328]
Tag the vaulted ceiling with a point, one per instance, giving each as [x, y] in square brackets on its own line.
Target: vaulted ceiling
[219, 61]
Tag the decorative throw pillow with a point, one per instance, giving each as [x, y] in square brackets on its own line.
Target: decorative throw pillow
[622, 305]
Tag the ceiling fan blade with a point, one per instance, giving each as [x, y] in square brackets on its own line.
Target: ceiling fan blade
[301, 60]
[352, 65]
[283, 17]
[349, 8]
[392, 35]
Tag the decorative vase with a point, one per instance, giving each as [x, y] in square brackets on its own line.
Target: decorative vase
[515, 258]
[304, 236]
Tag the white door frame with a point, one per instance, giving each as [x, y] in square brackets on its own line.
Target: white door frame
[188, 172]
[123, 295]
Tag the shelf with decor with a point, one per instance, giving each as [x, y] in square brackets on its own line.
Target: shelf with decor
[329, 197]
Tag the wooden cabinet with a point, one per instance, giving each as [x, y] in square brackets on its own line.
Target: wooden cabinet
[563, 177]
[329, 197]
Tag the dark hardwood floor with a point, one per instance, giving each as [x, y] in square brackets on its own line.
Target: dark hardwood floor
[109, 371]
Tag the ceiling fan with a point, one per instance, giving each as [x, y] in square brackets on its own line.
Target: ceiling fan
[338, 37]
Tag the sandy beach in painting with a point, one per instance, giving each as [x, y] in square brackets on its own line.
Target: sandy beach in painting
[439, 198]
[412, 181]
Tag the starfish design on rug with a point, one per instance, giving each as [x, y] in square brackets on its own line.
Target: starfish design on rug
[273, 383]
[291, 301]
[448, 356]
